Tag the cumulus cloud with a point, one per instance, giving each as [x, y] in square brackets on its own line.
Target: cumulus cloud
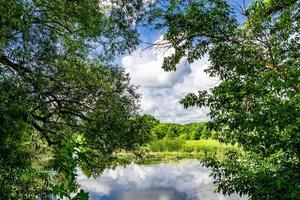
[145, 69]
[161, 91]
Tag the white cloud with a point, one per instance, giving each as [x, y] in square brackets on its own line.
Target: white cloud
[145, 69]
[161, 91]
[197, 79]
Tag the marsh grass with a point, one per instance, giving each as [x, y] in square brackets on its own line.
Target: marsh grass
[166, 145]
[170, 150]
[204, 146]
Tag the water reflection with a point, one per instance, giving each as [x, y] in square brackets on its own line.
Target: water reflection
[186, 180]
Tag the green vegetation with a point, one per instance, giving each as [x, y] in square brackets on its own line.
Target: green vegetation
[171, 142]
[206, 146]
[256, 104]
[63, 103]
[203, 146]
[195, 137]
[166, 145]
[172, 150]
[192, 131]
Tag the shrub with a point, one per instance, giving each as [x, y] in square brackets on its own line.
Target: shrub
[184, 137]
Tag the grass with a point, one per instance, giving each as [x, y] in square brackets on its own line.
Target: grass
[207, 147]
[170, 150]
[169, 145]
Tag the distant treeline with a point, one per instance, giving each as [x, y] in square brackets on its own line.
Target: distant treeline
[191, 131]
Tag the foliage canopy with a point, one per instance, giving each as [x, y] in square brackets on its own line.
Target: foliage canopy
[256, 104]
[62, 104]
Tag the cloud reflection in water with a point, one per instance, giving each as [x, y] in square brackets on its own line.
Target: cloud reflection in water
[186, 180]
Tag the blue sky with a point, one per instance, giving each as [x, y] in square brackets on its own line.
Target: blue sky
[161, 90]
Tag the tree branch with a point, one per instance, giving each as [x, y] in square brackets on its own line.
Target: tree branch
[17, 67]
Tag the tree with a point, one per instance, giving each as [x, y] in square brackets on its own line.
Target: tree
[63, 104]
[195, 130]
[160, 131]
[140, 130]
[256, 105]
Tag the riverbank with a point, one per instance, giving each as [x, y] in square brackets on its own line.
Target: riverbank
[188, 146]
[170, 150]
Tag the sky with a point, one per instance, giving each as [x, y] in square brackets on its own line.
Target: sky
[160, 90]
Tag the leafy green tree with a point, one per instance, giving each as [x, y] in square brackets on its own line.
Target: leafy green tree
[166, 130]
[173, 130]
[256, 104]
[139, 131]
[191, 131]
[185, 130]
[160, 131]
[184, 136]
[63, 105]
[205, 133]
[196, 130]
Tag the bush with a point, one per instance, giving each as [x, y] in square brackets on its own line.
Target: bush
[184, 137]
[195, 135]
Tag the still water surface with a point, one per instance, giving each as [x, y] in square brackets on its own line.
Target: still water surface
[185, 180]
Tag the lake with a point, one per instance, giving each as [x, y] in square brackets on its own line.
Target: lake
[183, 180]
